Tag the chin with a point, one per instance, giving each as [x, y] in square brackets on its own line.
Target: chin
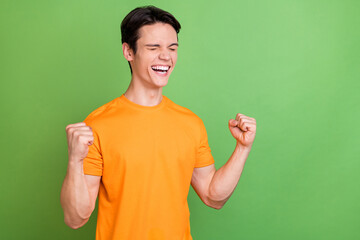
[160, 82]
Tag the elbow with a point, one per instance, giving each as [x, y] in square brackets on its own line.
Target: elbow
[75, 224]
[74, 220]
[215, 200]
[215, 207]
[215, 204]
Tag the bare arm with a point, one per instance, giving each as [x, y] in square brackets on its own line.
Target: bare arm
[79, 191]
[78, 195]
[215, 187]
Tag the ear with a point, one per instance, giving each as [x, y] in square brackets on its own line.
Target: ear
[128, 52]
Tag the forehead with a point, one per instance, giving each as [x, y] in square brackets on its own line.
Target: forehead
[158, 32]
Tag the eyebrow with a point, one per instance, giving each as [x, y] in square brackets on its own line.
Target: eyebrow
[157, 45]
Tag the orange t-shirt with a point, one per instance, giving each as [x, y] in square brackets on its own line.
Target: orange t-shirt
[146, 156]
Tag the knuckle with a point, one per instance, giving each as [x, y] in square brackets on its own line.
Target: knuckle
[71, 130]
[68, 127]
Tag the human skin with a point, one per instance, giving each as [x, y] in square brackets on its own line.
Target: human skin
[156, 46]
[76, 193]
[215, 187]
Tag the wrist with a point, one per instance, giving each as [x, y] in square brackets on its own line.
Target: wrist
[75, 167]
[75, 162]
[242, 148]
[75, 159]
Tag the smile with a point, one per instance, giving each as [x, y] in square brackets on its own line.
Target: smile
[161, 69]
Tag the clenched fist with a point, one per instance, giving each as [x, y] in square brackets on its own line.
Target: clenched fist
[243, 129]
[79, 137]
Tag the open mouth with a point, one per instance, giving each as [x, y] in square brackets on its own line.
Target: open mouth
[160, 69]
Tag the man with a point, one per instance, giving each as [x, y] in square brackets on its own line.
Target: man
[140, 152]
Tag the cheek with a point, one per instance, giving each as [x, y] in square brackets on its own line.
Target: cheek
[174, 58]
[145, 59]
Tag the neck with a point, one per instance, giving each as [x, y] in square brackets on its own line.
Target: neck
[142, 95]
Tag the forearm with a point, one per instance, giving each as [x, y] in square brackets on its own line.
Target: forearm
[75, 197]
[226, 178]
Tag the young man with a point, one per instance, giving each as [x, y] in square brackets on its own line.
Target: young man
[140, 152]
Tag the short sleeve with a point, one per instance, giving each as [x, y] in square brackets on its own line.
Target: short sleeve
[93, 163]
[203, 155]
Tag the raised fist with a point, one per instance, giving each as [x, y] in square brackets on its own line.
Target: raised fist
[243, 129]
[79, 138]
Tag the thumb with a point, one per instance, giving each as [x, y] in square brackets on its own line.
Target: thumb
[232, 122]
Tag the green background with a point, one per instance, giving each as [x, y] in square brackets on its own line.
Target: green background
[291, 65]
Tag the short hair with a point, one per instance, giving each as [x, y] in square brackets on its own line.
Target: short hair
[140, 16]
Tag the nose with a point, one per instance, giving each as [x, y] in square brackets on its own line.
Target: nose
[165, 55]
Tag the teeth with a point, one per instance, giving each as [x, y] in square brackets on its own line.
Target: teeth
[164, 68]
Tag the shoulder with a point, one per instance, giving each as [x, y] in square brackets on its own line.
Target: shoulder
[100, 112]
[193, 124]
[185, 112]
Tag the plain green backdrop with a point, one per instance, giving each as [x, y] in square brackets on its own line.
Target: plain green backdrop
[294, 66]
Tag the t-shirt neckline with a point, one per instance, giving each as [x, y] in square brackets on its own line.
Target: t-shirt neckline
[142, 107]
